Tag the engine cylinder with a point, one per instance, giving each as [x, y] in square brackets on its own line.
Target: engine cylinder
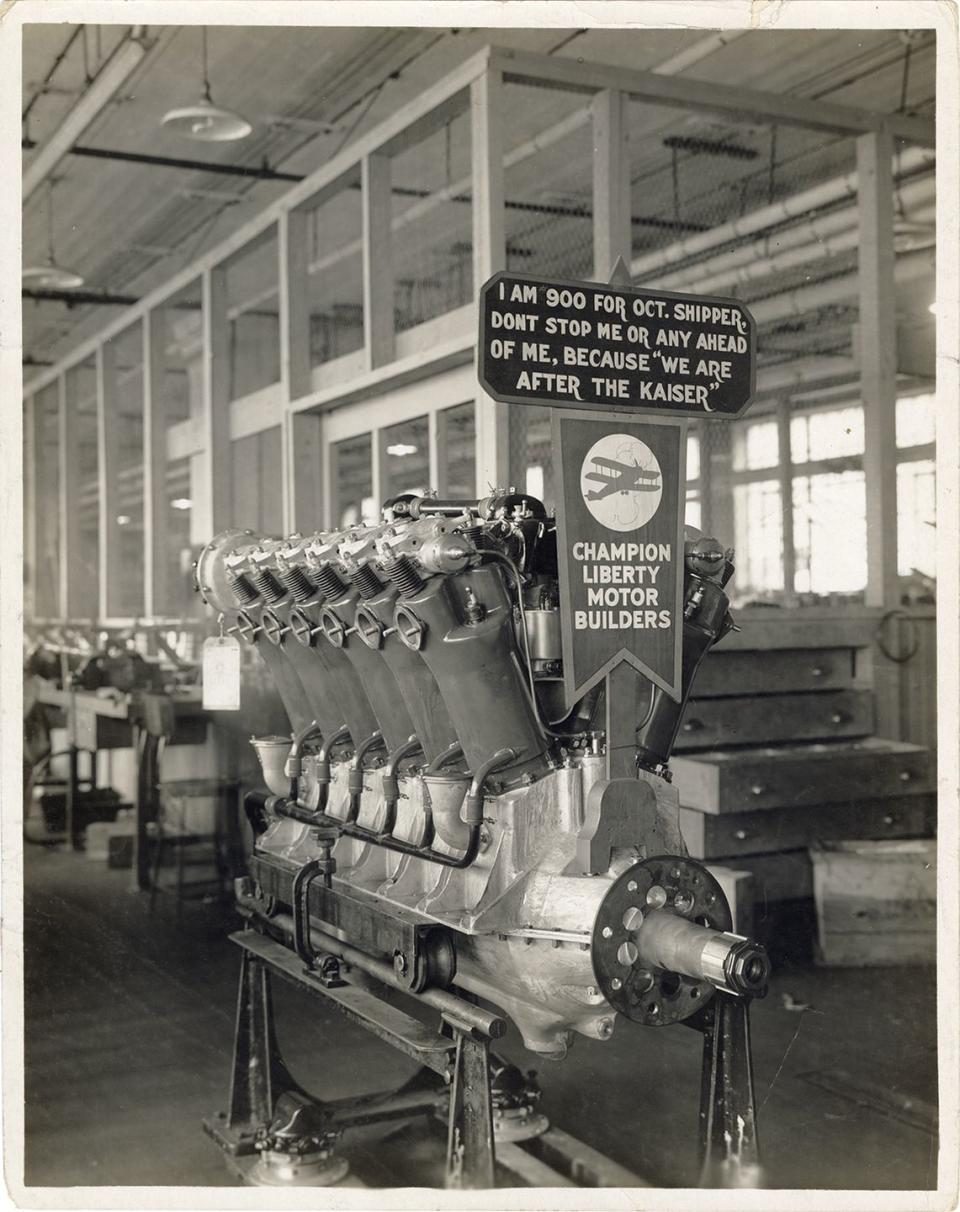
[476, 667]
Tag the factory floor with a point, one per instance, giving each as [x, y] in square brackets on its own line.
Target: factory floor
[129, 1027]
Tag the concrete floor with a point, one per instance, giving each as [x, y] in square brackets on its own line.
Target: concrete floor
[129, 1026]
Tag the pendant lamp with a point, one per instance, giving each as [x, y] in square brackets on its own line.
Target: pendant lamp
[204, 121]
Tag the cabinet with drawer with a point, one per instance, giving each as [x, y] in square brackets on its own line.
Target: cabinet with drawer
[801, 775]
[734, 672]
[753, 720]
[738, 834]
[776, 750]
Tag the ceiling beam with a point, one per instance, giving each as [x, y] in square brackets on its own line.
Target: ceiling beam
[115, 72]
[740, 104]
[261, 172]
[76, 298]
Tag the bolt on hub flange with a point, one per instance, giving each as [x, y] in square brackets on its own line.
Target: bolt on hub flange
[662, 946]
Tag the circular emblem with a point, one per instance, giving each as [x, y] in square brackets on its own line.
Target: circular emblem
[621, 482]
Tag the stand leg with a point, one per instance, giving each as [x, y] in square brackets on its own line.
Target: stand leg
[259, 1074]
[470, 1153]
[73, 779]
[729, 1151]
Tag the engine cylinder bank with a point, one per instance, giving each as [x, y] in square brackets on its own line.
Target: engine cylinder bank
[441, 783]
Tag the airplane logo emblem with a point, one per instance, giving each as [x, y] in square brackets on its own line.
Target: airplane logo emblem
[621, 482]
[620, 477]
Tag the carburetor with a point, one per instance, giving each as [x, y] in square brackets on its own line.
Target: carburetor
[460, 813]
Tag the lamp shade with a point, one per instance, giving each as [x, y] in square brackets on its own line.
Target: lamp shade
[207, 123]
[51, 276]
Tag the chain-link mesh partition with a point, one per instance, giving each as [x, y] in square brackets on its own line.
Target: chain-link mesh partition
[335, 274]
[766, 214]
[548, 217]
[432, 225]
[457, 450]
[253, 313]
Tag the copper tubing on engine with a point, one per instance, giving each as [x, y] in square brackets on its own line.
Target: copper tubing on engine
[450, 754]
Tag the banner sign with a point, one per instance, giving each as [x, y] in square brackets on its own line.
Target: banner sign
[582, 344]
[620, 547]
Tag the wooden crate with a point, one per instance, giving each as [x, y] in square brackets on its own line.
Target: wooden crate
[875, 902]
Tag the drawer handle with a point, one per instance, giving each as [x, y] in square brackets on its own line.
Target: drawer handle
[891, 820]
[757, 789]
[741, 835]
[817, 671]
[905, 776]
[693, 725]
[839, 717]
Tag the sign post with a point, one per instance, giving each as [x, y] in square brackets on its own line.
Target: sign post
[644, 362]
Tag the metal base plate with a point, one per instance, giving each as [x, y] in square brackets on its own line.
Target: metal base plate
[275, 1169]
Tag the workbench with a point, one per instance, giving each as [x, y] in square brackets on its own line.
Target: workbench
[112, 719]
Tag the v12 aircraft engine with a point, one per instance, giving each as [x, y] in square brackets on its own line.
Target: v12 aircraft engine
[461, 816]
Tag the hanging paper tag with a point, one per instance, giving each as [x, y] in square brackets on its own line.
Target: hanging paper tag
[221, 673]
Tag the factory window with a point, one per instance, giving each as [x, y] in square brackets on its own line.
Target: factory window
[826, 435]
[335, 281]
[257, 488]
[758, 537]
[830, 532]
[755, 446]
[123, 389]
[251, 291]
[431, 224]
[83, 491]
[46, 470]
[180, 598]
[353, 481]
[177, 340]
[916, 486]
[693, 513]
[405, 458]
[757, 508]
[457, 447]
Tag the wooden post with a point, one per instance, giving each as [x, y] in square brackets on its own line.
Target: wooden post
[378, 458]
[154, 468]
[213, 497]
[489, 256]
[627, 701]
[612, 237]
[702, 431]
[32, 446]
[378, 332]
[785, 465]
[107, 479]
[437, 441]
[299, 432]
[878, 363]
[71, 568]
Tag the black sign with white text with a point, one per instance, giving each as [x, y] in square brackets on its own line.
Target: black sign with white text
[582, 344]
[620, 547]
